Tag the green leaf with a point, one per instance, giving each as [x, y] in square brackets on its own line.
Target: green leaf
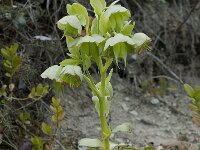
[5, 53]
[46, 129]
[189, 90]
[96, 104]
[39, 89]
[59, 114]
[55, 102]
[125, 127]
[109, 76]
[87, 142]
[108, 89]
[37, 143]
[72, 75]
[98, 6]
[52, 73]
[70, 24]
[196, 94]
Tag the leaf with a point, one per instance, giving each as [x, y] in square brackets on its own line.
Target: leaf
[125, 127]
[96, 103]
[189, 90]
[46, 129]
[196, 94]
[5, 53]
[70, 24]
[109, 76]
[55, 102]
[58, 117]
[37, 143]
[97, 106]
[52, 73]
[108, 89]
[87, 142]
[98, 6]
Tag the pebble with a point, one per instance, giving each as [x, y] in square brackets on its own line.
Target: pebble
[127, 99]
[133, 112]
[125, 107]
[155, 101]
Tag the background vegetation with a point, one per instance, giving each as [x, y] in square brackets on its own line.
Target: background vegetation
[173, 26]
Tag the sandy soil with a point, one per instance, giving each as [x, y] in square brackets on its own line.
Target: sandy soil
[154, 119]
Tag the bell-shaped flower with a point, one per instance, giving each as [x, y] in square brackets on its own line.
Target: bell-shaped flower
[70, 74]
[113, 18]
[118, 46]
[80, 12]
[70, 25]
[52, 73]
[90, 48]
[141, 41]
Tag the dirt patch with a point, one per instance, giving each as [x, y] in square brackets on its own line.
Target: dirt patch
[154, 118]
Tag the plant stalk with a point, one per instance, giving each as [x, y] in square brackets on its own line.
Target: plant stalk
[104, 124]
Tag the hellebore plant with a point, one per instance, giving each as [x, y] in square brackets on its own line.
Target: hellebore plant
[107, 36]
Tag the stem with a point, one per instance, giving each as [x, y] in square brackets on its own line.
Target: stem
[104, 124]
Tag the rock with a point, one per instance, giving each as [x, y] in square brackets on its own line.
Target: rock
[133, 112]
[134, 56]
[124, 106]
[155, 101]
[127, 99]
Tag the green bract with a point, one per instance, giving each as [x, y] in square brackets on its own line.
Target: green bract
[96, 40]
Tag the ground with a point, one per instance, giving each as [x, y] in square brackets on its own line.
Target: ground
[155, 119]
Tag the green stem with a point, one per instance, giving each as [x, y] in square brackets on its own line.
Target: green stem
[104, 124]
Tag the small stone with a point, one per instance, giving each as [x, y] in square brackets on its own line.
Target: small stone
[124, 106]
[134, 56]
[127, 99]
[154, 101]
[133, 112]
